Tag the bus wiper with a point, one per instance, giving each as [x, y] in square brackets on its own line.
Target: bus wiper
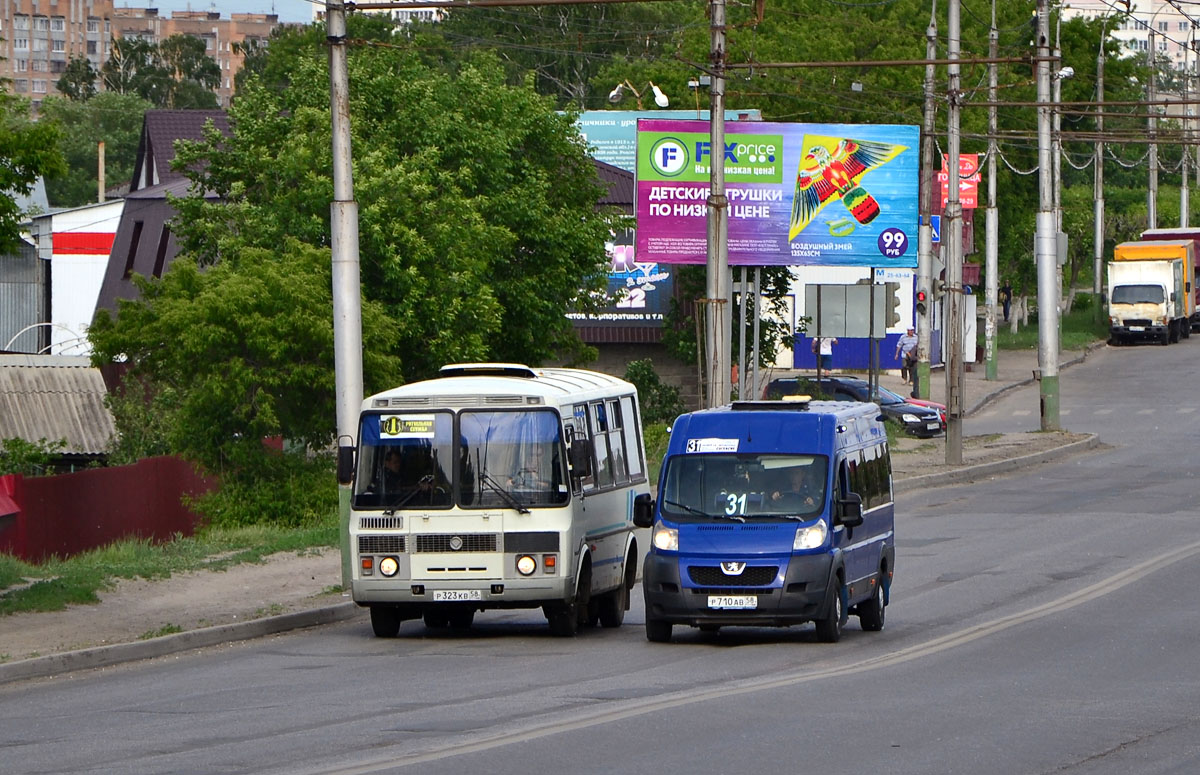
[507, 497]
[408, 496]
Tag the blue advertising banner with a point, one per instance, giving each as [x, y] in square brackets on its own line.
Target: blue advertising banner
[819, 194]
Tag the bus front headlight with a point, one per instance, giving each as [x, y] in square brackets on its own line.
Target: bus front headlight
[526, 565]
[810, 537]
[388, 566]
[666, 539]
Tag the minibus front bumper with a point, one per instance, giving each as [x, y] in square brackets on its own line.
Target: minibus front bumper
[801, 597]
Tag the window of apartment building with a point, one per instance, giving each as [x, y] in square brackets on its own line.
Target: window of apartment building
[1183, 26]
[58, 24]
[22, 65]
[1163, 26]
[41, 23]
[21, 44]
[58, 65]
[39, 65]
[40, 44]
[93, 25]
[208, 44]
[91, 47]
[21, 85]
[39, 86]
[58, 44]
[20, 22]
[1162, 45]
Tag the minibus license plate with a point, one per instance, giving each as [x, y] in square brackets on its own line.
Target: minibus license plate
[1137, 328]
[733, 601]
[455, 595]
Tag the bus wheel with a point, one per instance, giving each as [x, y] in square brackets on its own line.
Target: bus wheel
[658, 631]
[613, 605]
[870, 613]
[563, 619]
[436, 620]
[461, 620]
[385, 621]
[829, 627]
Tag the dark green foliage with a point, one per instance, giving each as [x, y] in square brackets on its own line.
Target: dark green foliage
[28, 150]
[18, 456]
[282, 490]
[176, 73]
[112, 118]
[78, 81]
[660, 403]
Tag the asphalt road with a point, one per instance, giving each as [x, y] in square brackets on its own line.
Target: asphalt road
[1042, 622]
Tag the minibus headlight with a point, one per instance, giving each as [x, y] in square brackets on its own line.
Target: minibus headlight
[388, 566]
[810, 537]
[526, 565]
[666, 538]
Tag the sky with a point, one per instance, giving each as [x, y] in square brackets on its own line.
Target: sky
[287, 10]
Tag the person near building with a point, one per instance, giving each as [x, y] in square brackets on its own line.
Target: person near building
[906, 353]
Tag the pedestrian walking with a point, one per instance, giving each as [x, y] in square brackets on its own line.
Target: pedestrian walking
[906, 353]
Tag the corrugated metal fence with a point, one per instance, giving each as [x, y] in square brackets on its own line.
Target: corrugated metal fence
[72, 513]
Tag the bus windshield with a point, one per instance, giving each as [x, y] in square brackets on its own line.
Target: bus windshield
[744, 486]
[510, 459]
[511, 455]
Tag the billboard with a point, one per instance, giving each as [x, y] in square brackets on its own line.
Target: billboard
[612, 134]
[819, 194]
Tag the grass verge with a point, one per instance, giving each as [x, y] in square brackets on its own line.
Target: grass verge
[57, 583]
[1079, 329]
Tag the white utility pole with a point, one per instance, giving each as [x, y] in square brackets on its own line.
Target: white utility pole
[347, 299]
[952, 230]
[1152, 193]
[925, 233]
[1046, 240]
[1098, 178]
[991, 226]
[718, 328]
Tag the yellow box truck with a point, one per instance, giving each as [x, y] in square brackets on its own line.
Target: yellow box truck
[1150, 291]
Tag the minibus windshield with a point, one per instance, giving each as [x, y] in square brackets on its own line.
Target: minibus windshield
[700, 487]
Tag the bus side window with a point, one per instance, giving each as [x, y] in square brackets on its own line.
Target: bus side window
[629, 430]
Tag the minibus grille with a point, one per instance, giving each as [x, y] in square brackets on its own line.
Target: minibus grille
[380, 544]
[465, 542]
[380, 523]
[752, 576]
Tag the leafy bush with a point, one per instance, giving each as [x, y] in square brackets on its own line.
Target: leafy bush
[282, 490]
[660, 402]
[18, 456]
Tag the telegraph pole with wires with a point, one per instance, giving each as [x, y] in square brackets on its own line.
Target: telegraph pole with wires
[925, 234]
[1046, 239]
[952, 231]
[991, 226]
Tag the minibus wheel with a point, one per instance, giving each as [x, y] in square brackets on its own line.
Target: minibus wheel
[658, 631]
[462, 619]
[870, 613]
[829, 627]
[436, 620]
[614, 604]
[385, 621]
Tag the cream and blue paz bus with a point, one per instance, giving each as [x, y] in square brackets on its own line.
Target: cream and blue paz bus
[498, 486]
[772, 513]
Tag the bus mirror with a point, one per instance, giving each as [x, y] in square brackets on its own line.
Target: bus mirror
[581, 457]
[345, 465]
[643, 510]
[850, 508]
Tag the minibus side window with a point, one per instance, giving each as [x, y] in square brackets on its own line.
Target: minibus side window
[633, 450]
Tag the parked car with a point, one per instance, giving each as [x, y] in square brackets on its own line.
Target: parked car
[916, 420]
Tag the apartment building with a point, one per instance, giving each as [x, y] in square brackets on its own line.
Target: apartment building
[1172, 28]
[39, 37]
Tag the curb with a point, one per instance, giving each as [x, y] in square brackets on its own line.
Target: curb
[971, 473]
[990, 397]
[104, 656]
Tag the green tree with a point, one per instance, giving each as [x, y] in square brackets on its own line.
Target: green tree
[478, 221]
[28, 150]
[109, 117]
[249, 355]
[176, 73]
[78, 81]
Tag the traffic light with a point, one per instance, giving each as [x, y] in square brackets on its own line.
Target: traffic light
[939, 289]
[893, 294]
[922, 301]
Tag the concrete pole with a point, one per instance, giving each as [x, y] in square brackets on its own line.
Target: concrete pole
[719, 284]
[1183, 156]
[925, 234]
[1098, 178]
[953, 229]
[1152, 193]
[742, 288]
[347, 299]
[1045, 241]
[991, 226]
[100, 171]
[756, 297]
[1056, 170]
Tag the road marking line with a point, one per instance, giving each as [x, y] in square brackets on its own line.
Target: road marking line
[1186, 409]
[1103, 411]
[642, 707]
[1022, 412]
[1145, 411]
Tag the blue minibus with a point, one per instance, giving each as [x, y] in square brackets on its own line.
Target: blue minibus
[771, 513]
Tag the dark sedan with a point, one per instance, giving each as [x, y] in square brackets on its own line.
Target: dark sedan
[916, 420]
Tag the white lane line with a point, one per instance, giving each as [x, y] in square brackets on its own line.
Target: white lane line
[1103, 411]
[1186, 409]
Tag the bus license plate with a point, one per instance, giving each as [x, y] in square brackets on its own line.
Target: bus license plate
[733, 601]
[1137, 328]
[456, 595]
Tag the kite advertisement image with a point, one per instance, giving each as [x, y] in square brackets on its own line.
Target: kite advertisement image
[802, 194]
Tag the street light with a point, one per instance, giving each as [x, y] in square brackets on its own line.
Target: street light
[618, 94]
